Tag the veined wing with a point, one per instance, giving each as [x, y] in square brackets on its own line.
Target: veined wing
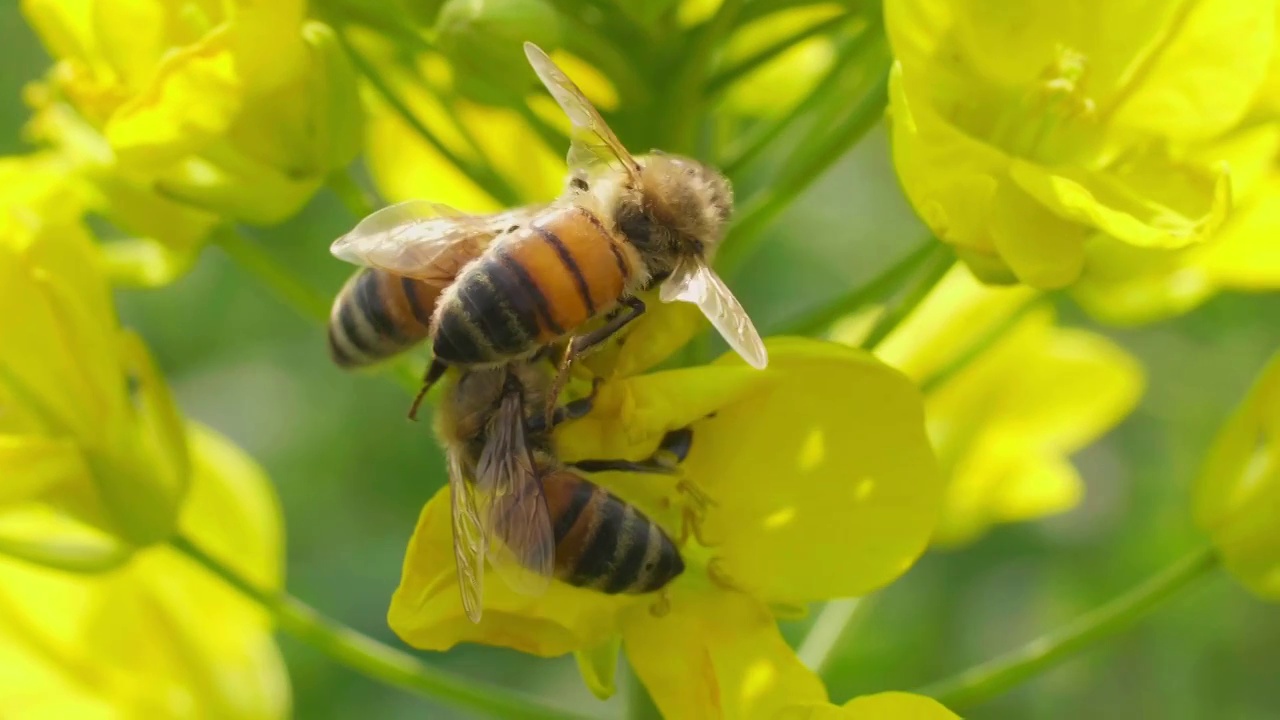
[520, 542]
[592, 142]
[468, 539]
[425, 240]
[695, 282]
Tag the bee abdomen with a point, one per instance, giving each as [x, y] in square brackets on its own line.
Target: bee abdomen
[491, 316]
[377, 315]
[605, 544]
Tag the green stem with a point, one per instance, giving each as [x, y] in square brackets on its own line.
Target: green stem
[253, 259]
[828, 632]
[861, 296]
[353, 197]
[721, 81]
[686, 94]
[985, 681]
[747, 232]
[492, 183]
[370, 657]
[750, 147]
[938, 262]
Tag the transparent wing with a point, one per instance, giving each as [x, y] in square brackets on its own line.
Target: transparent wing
[592, 142]
[694, 281]
[468, 539]
[520, 541]
[424, 240]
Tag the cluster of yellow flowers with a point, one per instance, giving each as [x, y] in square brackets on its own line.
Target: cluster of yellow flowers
[1136, 169]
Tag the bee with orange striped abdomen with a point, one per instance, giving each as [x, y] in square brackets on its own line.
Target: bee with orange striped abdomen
[536, 276]
[531, 516]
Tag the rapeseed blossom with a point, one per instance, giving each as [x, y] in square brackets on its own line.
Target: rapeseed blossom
[857, 490]
[1004, 421]
[241, 110]
[1237, 496]
[1128, 285]
[99, 469]
[1021, 132]
[158, 637]
[88, 426]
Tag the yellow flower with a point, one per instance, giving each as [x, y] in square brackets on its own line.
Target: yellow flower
[1127, 285]
[165, 234]
[238, 108]
[881, 706]
[821, 484]
[1237, 496]
[1004, 423]
[88, 424]
[159, 637]
[1021, 131]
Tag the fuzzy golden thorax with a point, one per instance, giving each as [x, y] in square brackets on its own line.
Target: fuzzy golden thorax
[677, 207]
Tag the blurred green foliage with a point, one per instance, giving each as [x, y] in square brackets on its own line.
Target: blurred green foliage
[353, 474]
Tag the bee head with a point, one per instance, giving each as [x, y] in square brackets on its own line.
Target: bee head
[680, 208]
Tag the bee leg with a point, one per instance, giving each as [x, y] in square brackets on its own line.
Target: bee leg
[571, 410]
[434, 372]
[672, 450]
[583, 344]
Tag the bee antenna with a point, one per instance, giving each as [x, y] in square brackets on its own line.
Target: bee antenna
[434, 371]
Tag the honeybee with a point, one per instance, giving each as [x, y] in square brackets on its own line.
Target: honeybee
[516, 282]
[514, 503]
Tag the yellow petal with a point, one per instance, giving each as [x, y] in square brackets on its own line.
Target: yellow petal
[426, 609]
[1237, 495]
[33, 465]
[1125, 208]
[162, 637]
[1204, 71]
[599, 667]
[1004, 424]
[717, 655]
[881, 706]
[840, 474]
[956, 313]
[193, 98]
[1041, 249]
[629, 416]
[1245, 254]
[655, 337]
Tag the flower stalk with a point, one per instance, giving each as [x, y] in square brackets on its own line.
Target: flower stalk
[983, 682]
[488, 180]
[762, 209]
[862, 295]
[372, 658]
[934, 267]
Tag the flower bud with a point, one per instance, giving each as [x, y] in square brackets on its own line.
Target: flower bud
[484, 41]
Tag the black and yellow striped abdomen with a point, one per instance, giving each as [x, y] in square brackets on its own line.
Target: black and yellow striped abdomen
[603, 543]
[377, 315]
[536, 285]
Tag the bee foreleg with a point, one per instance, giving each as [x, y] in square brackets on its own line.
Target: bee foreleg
[584, 344]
